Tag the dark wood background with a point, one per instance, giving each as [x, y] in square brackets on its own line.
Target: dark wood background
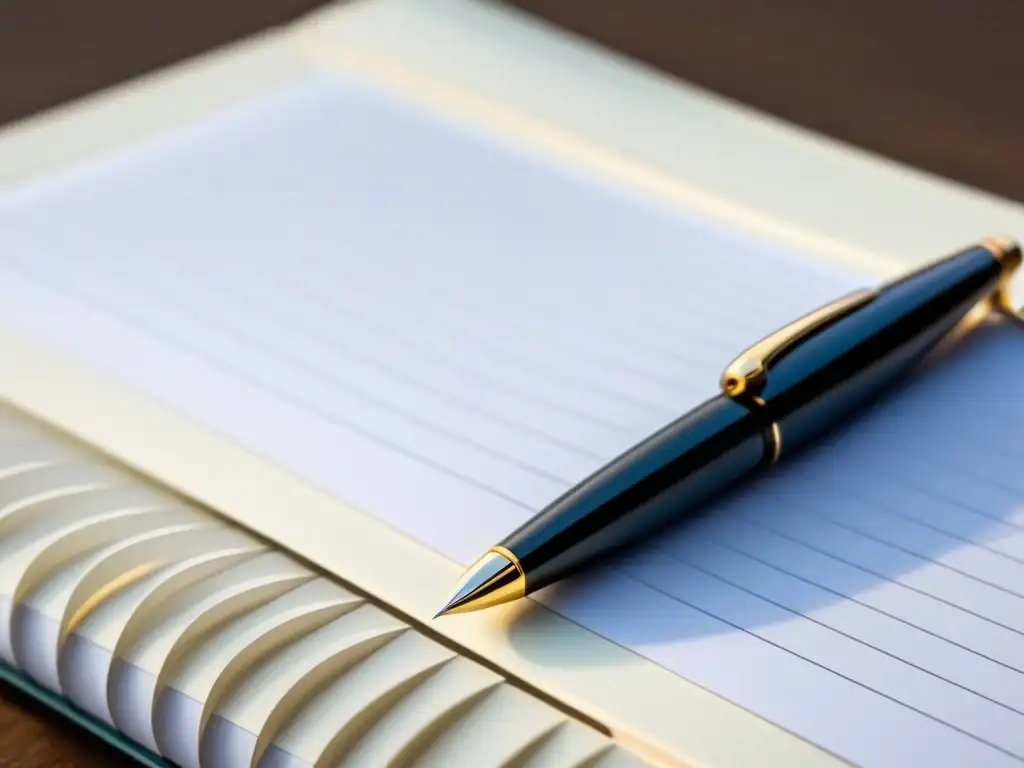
[934, 83]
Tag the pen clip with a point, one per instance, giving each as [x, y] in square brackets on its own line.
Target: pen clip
[748, 373]
[1008, 253]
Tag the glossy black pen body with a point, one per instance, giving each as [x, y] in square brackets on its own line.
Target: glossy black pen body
[776, 397]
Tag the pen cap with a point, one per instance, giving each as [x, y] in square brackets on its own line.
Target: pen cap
[849, 363]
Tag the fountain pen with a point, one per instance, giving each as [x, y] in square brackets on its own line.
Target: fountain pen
[776, 397]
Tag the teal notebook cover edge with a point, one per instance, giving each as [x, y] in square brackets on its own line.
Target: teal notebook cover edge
[82, 719]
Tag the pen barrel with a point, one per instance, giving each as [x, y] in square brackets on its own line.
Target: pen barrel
[825, 379]
[809, 388]
[659, 480]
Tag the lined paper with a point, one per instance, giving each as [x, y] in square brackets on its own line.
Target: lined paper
[447, 333]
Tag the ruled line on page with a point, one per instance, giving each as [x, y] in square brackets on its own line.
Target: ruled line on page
[988, 726]
[878, 573]
[903, 499]
[948, 623]
[429, 308]
[923, 651]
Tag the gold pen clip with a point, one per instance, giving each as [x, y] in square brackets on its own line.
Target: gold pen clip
[1008, 253]
[748, 373]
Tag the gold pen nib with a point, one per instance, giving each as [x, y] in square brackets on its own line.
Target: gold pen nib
[494, 579]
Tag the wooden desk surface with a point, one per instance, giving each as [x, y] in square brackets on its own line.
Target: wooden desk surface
[933, 83]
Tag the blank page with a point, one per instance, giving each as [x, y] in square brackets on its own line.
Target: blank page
[447, 332]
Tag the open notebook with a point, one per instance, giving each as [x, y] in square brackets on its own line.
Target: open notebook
[442, 331]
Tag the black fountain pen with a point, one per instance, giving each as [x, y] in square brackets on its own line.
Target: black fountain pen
[776, 397]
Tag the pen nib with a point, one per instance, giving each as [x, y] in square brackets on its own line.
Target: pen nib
[491, 580]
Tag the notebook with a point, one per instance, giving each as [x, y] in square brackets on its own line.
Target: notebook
[284, 354]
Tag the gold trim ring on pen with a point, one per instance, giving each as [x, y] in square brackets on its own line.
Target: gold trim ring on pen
[772, 434]
[776, 432]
